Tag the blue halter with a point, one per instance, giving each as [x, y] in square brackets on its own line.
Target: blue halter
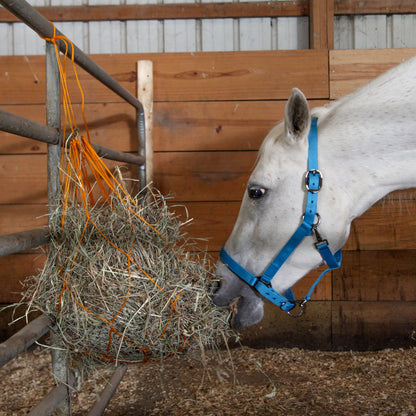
[313, 184]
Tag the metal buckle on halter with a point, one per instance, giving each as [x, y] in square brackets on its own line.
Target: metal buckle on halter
[260, 279]
[307, 179]
[302, 304]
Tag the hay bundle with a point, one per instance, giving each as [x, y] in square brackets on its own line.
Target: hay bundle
[140, 307]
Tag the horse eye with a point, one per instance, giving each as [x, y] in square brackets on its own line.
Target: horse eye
[256, 193]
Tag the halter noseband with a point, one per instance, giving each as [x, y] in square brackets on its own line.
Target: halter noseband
[313, 184]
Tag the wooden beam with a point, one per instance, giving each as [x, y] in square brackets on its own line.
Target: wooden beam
[321, 24]
[145, 96]
[204, 76]
[212, 10]
[169, 11]
[359, 7]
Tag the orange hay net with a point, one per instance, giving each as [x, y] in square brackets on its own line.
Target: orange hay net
[79, 161]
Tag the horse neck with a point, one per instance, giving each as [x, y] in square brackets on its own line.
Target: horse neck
[370, 141]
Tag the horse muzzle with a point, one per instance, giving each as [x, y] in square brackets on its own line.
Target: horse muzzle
[245, 304]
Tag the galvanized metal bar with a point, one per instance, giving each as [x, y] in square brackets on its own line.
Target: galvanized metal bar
[25, 12]
[117, 155]
[55, 397]
[16, 242]
[108, 392]
[53, 119]
[23, 339]
[21, 126]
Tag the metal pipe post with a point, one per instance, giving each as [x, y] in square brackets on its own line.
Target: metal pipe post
[53, 119]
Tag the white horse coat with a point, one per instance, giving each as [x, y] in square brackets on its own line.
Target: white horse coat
[367, 149]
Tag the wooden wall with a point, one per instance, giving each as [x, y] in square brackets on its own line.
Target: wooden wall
[212, 111]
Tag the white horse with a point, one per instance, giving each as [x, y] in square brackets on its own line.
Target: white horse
[367, 148]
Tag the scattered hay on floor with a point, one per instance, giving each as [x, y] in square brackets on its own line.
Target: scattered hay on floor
[122, 286]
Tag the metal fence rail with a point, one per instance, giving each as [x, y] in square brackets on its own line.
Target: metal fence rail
[52, 135]
[21, 126]
[27, 14]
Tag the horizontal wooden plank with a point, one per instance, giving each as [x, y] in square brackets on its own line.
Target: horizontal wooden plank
[203, 176]
[359, 7]
[350, 69]
[386, 226]
[17, 218]
[365, 275]
[211, 10]
[187, 176]
[376, 276]
[14, 269]
[255, 75]
[167, 11]
[24, 178]
[373, 325]
[179, 126]
[112, 125]
[389, 226]
[278, 329]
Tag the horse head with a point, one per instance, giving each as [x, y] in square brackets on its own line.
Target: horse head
[271, 211]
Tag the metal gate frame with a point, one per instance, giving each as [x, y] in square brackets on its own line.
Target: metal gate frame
[52, 135]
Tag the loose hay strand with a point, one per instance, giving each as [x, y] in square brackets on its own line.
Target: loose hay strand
[106, 308]
[119, 282]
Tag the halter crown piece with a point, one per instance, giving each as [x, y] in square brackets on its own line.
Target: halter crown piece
[313, 184]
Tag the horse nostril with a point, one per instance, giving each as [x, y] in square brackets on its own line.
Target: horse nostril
[215, 287]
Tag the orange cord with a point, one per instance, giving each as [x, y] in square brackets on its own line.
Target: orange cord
[81, 158]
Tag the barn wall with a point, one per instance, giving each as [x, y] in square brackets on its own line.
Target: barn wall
[221, 34]
[212, 111]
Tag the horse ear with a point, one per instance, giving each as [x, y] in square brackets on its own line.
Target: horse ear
[297, 116]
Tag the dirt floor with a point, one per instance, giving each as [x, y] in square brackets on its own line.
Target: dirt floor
[247, 382]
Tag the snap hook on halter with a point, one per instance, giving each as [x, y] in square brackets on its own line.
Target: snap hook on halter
[302, 305]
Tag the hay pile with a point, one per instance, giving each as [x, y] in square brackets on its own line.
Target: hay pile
[113, 308]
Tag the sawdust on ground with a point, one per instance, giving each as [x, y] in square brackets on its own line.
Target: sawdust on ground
[272, 381]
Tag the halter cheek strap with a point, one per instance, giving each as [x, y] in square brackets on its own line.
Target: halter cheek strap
[313, 184]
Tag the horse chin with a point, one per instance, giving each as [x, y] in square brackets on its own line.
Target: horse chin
[247, 312]
[245, 304]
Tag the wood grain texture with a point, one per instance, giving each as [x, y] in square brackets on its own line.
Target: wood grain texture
[373, 325]
[321, 24]
[14, 269]
[351, 69]
[212, 112]
[215, 218]
[168, 11]
[214, 221]
[178, 126]
[382, 275]
[357, 7]
[205, 76]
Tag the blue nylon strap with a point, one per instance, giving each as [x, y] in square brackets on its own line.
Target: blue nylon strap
[240, 271]
[332, 260]
[310, 212]
[285, 302]
[313, 146]
[262, 283]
